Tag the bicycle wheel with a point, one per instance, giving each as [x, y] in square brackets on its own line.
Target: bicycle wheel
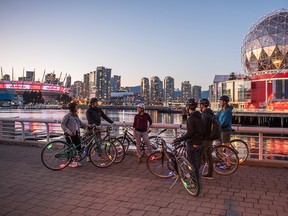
[125, 141]
[188, 176]
[120, 150]
[225, 160]
[56, 155]
[102, 154]
[159, 164]
[241, 149]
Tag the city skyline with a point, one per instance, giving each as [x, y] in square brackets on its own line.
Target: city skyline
[189, 41]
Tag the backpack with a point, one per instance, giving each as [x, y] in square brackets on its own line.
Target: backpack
[215, 132]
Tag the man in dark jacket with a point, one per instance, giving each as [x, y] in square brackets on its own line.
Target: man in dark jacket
[194, 134]
[94, 114]
[206, 154]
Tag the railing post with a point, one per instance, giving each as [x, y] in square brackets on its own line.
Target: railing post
[48, 133]
[260, 146]
[175, 132]
[1, 129]
[23, 130]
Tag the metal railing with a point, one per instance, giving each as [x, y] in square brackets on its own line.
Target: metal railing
[41, 130]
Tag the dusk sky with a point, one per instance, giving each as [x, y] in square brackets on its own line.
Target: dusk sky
[188, 40]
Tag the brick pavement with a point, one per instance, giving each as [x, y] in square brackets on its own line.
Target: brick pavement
[28, 188]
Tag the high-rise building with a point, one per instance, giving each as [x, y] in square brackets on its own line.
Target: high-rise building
[102, 83]
[168, 88]
[155, 90]
[86, 85]
[77, 89]
[115, 83]
[145, 88]
[196, 92]
[186, 90]
[92, 84]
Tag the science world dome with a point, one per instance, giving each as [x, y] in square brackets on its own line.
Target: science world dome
[265, 46]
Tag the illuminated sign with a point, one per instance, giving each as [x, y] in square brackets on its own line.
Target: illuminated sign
[16, 86]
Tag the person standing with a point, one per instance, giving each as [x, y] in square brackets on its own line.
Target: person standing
[194, 134]
[71, 126]
[141, 124]
[207, 116]
[94, 115]
[225, 118]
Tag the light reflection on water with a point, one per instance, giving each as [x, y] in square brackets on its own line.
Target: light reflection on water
[115, 115]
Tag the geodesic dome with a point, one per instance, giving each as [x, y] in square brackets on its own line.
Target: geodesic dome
[265, 46]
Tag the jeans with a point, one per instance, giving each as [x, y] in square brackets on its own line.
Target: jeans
[206, 155]
[192, 156]
[145, 137]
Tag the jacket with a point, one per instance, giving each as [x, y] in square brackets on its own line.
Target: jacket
[71, 123]
[141, 122]
[94, 114]
[194, 134]
[207, 116]
[225, 118]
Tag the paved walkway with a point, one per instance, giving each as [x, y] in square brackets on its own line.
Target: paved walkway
[28, 188]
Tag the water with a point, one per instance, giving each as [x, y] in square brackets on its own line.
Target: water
[115, 115]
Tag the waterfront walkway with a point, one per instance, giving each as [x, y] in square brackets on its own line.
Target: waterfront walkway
[28, 188]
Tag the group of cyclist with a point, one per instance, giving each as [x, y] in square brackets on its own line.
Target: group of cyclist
[71, 123]
[197, 137]
[199, 145]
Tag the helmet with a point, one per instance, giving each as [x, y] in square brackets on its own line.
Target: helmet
[224, 98]
[141, 105]
[92, 100]
[192, 103]
[72, 105]
[205, 102]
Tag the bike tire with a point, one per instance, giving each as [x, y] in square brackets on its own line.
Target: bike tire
[125, 141]
[120, 150]
[241, 149]
[220, 155]
[102, 154]
[159, 164]
[57, 155]
[188, 176]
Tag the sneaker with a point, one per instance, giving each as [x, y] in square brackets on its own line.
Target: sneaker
[88, 159]
[225, 167]
[73, 164]
[207, 176]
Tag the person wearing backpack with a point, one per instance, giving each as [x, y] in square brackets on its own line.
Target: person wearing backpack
[225, 118]
[206, 155]
[194, 134]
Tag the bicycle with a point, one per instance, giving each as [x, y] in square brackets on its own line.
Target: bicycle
[172, 163]
[110, 136]
[241, 148]
[128, 138]
[225, 159]
[58, 154]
